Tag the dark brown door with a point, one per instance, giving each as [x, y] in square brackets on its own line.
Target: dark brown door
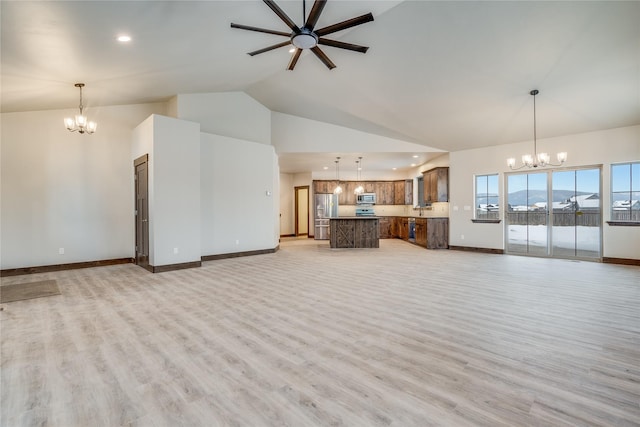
[142, 210]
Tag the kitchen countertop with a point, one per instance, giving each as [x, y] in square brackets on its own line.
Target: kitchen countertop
[356, 217]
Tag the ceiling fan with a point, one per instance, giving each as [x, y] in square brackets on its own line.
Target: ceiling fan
[306, 37]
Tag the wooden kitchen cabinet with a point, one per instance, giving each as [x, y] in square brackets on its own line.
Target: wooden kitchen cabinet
[348, 193]
[398, 193]
[384, 193]
[387, 192]
[421, 232]
[403, 228]
[437, 233]
[403, 192]
[436, 185]
[385, 224]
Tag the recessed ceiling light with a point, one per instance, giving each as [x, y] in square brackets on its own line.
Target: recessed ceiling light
[124, 38]
[394, 169]
[415, 156]
[325, 167]
[413, 165]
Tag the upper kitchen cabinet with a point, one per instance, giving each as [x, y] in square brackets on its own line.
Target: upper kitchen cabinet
[436, 185]
[403, 192]
[384, 193]
[348, 196]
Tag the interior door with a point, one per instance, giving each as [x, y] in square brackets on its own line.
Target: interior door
[302, 211]
[142, 210]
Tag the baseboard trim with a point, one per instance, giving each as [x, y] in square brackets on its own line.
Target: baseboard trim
[61, 267]
[624, 261]
[480, 250]
[173, 267]
[239, 254]
[287, 235]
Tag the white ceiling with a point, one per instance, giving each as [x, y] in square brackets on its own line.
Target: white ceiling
[451, 75]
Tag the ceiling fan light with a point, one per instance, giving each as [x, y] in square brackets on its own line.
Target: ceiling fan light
[305, 40]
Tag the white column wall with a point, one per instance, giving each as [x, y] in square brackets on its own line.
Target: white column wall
[175, 206]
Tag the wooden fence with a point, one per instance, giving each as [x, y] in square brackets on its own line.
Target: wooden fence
[560, 219]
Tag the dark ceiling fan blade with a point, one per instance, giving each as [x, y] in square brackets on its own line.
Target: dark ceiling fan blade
[282, 16]
[316, 10]
[343, 45]
[344, 25]
[324, 58]
[267, 49]
[294, 59]
[260, 30]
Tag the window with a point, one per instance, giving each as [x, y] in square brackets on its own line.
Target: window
[487, 197]
[625, 192]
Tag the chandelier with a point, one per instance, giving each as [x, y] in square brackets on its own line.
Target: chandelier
[338, 189]
[537, 159]
[80, 123]
[359, 189]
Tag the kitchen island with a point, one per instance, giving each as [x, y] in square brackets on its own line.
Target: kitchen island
[354, 232]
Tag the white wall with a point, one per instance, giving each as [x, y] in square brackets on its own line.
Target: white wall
[175, 206]
[292, 134]
[232, 114]
[588, 149]
[66, 190]
[240, 199]
[287, 200]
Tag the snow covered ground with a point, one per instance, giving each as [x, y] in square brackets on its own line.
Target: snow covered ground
[564, 238]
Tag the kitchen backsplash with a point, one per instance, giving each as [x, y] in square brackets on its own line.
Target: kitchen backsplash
[438, 209]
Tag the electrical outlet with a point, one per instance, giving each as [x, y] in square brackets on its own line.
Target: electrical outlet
[462, 237]
[237, 242]
[175, 250]
[61, 251]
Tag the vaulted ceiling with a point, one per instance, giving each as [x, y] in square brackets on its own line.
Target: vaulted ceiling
[451, 75]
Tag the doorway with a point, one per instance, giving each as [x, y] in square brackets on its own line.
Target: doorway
[302, 211]
[555, 213]
[141, 178]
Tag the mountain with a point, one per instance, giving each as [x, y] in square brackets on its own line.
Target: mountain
[519, 198]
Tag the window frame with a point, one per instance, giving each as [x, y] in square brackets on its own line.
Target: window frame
[490, 219]
[634, 187]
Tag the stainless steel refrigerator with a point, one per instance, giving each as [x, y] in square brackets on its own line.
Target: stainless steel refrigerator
[326, 207]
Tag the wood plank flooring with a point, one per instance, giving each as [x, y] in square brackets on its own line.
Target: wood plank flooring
[313, 336]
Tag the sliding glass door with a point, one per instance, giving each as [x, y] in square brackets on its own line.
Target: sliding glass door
[554, 213]
[527, 218]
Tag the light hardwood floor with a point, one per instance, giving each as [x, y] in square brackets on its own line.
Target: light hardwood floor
[312, 336]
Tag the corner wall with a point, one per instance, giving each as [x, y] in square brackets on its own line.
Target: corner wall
[66, 190]
[240, 195]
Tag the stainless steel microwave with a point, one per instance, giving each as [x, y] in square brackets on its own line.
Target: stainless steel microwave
[366, 199]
